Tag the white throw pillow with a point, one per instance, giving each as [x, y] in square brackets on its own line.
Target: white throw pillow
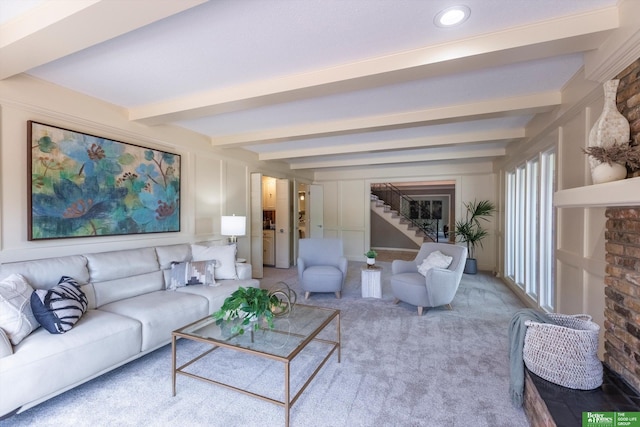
[435, 259]
[224, 255]
[16, 317]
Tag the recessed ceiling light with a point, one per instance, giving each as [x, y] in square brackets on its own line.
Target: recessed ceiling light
[451, 16]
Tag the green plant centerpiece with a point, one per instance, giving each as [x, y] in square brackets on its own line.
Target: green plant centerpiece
[371, 257]
[247, 308]
[470, 230]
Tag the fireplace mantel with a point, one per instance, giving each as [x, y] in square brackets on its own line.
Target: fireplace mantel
[618, 193]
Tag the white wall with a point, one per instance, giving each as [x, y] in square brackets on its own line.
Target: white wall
[213, 182]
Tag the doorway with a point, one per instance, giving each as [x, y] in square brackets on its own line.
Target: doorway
[431, 203]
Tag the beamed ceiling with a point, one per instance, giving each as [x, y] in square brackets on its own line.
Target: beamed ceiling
[316, 83]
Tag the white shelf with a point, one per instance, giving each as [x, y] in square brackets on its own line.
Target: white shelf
[618, 193]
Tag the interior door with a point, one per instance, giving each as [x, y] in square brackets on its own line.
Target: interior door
[256, 225]
[283, 223]
[316, 206]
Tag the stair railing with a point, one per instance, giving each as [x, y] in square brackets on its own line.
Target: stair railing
[410, 210]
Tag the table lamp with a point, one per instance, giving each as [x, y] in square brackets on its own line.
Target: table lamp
[233, 226]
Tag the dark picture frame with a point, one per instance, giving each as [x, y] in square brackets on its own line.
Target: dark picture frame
[82, 185]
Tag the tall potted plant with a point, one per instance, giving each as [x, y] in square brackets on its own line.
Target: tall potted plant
[470, 230]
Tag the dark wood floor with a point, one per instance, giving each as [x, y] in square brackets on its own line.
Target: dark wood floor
[389, 256]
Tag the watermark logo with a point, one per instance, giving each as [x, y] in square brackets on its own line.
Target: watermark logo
[611, 419]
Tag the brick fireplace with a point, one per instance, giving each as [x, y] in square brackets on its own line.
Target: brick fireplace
[622, 281]
[622, 293]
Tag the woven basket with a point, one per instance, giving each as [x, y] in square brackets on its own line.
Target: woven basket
[565, 353]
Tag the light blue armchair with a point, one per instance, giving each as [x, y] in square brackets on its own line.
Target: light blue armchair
[322, 266]
[439, 285]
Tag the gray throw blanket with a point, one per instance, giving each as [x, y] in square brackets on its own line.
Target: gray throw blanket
[517, 331]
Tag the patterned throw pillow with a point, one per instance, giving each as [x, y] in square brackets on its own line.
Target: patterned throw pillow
[16, 317]
[435, 259]
[59, 308]
[192, 273]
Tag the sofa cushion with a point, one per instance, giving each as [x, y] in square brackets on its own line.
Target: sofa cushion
[127, 287]
[224, 255]
[16, 317]
[114, 265]
[60, 307]
[192, 273]
[44, 364]
[124, 274]
[160, 313]
[436, 259]
[322, 278]
[43, 273]
[217, 294]
[170, 254]
[6, 348]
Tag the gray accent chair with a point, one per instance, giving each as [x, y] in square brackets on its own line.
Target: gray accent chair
[322, 266]
[438, 287]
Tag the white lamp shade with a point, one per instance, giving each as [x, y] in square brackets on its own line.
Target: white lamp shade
[233, 225]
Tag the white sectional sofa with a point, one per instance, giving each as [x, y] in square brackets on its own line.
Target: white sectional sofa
[131, 312]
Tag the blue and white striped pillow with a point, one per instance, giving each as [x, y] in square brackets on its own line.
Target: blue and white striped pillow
[59, 308]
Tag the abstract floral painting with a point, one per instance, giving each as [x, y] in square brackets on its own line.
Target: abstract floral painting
[83, 185]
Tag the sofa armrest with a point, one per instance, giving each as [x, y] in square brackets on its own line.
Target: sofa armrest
[343, 265]
[400, 266]
[442, 285]
[6, 349]
[301, 268]
[243, 270]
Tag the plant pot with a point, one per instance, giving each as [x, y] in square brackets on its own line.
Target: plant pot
[471, 266]
[606, 172]
[371, 261]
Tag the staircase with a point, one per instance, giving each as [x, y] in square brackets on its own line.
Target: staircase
[404, 226]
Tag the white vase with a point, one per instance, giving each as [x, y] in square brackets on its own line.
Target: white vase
[611, 127]
[371, 261]
[605, 172]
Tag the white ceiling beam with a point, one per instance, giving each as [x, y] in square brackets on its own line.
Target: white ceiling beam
[619, 50]
[398, 144]
[526, 104]
[400, 158]
[55, 29]
[577, 33]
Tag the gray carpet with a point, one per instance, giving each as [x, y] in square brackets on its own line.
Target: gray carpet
[446, 368]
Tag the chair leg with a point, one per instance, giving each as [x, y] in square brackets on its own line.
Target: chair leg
[419, 311]
[396, 300]
[306, 295]
[449, 307]
[338, 295]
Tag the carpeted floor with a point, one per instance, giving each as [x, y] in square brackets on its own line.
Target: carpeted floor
[445, 368]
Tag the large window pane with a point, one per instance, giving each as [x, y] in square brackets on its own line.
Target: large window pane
[529, 228]
[519, 234]
[531, 237]
[547, 228]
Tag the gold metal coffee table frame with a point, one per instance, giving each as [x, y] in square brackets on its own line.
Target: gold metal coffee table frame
[304, 323]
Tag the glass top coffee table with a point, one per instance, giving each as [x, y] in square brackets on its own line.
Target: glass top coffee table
[283, 343]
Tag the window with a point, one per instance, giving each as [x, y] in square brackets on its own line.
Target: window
[547, 228]
[529, 228]
[531, 231]
[519, 226]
